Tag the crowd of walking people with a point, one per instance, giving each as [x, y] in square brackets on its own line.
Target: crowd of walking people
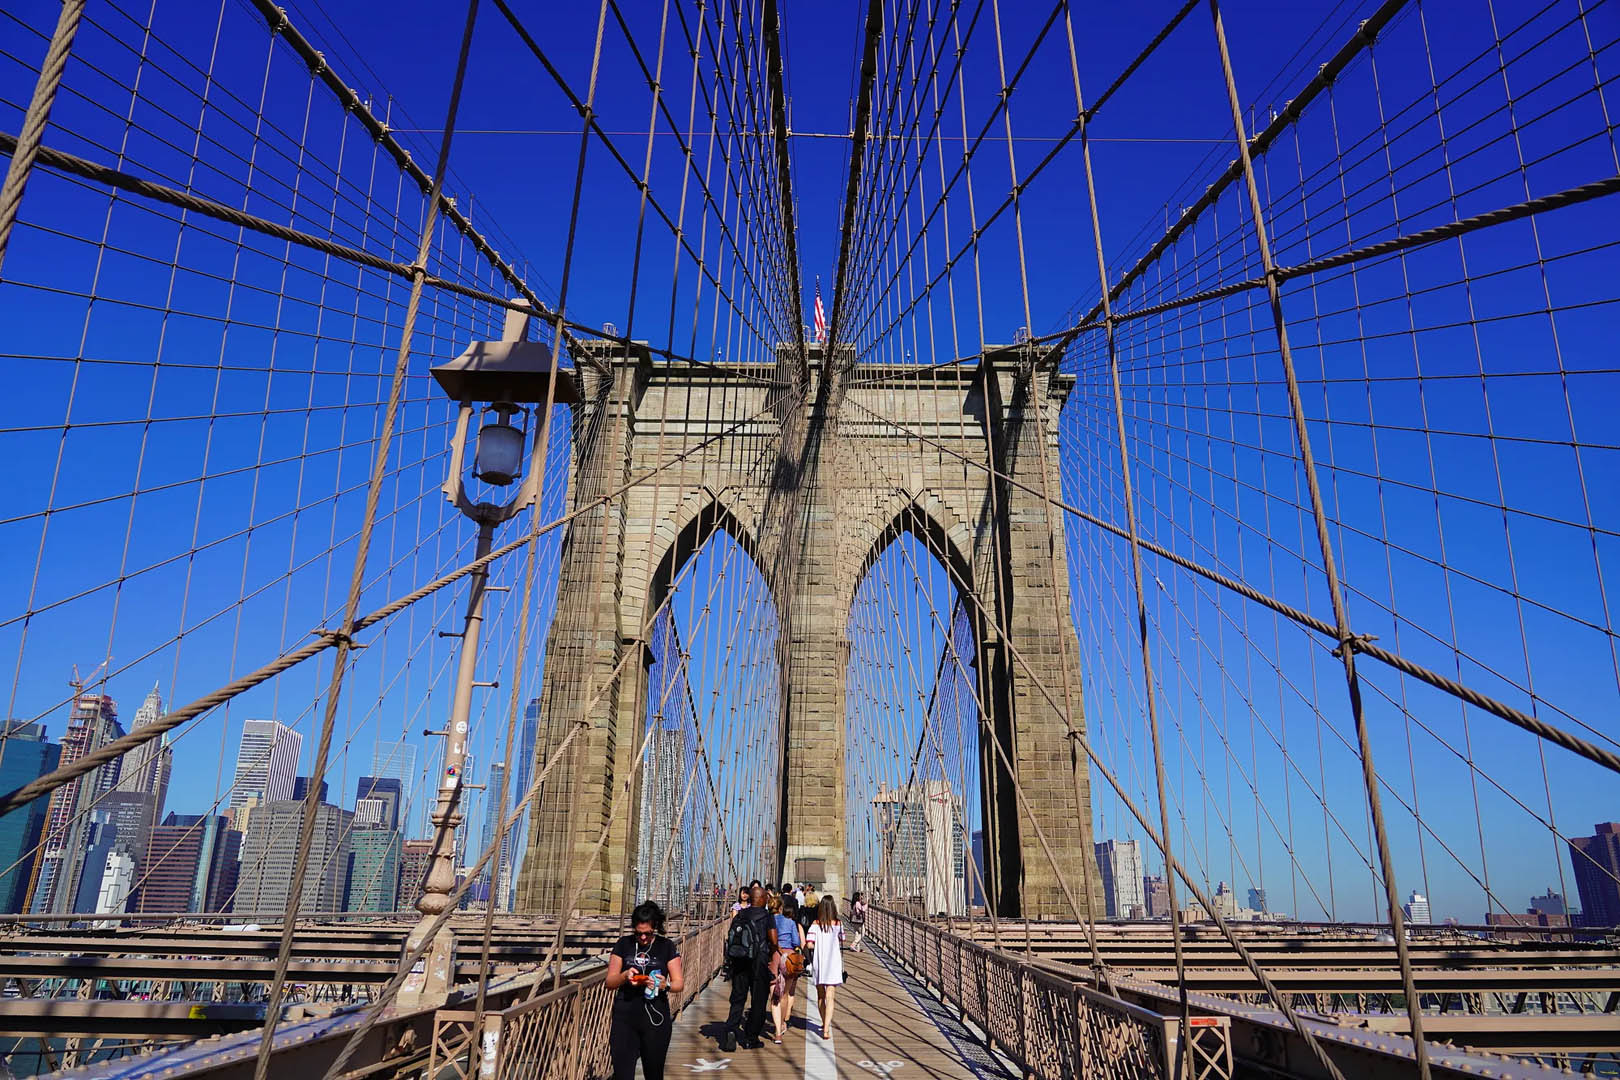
[776, 938]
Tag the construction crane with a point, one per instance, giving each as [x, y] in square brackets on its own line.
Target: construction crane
[78, 684]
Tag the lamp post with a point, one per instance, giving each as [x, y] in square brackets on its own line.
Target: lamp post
[500, 380]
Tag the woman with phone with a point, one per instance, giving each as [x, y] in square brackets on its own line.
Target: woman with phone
[644, 969]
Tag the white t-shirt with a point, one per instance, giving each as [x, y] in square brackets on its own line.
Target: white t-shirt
[827, 965]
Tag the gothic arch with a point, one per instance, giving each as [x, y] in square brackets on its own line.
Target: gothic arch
[686, 528]
[926, 517]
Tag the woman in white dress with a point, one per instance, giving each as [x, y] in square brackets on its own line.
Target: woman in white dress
[826, 938]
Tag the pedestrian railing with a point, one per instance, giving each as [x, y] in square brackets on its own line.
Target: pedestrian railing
[561, 1034]
[1051, 1027]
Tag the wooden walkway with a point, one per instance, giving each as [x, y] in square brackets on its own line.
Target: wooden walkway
[877, 1030]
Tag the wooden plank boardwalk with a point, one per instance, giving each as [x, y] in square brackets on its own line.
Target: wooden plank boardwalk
[877, 1030]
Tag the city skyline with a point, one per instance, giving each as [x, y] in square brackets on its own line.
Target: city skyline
[132, 856]
[129, 804]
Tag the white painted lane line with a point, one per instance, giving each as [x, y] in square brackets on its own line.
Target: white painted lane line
[819, 1062]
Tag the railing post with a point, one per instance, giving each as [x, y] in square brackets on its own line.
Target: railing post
[490, 1048]
[576, 1038]
[1020, 974]
[984, 989]
[1082, 1032]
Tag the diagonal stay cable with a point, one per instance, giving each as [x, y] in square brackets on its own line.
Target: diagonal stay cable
[1362, 645]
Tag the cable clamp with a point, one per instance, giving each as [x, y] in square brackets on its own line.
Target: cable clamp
[1355, 642]
[337, 637]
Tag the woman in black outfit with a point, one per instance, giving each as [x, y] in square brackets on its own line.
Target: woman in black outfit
[644, 967]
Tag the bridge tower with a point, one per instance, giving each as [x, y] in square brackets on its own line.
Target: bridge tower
[815, 516]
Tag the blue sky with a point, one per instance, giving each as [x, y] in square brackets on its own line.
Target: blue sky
[1464, 396]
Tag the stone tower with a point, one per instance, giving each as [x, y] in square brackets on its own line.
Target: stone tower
[814, 496]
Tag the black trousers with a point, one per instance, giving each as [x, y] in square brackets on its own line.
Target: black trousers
[748, 981]
[641, 1031]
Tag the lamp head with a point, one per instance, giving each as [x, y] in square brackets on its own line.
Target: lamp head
[499, 457]
[501, 377]
[513, 372]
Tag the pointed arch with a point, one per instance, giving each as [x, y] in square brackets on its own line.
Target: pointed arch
[931, 520]
[703, 512]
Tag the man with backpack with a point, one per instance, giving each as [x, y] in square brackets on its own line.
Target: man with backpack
[750, 944]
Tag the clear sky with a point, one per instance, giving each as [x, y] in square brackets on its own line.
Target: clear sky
[1441, 388]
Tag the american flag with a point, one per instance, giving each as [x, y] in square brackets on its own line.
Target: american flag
[821, 315]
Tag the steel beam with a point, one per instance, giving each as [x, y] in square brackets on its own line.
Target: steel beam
[49, 1018]
[1526, 1033]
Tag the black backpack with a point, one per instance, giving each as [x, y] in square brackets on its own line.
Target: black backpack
[743, 939]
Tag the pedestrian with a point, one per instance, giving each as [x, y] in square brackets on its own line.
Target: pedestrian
[807, 908]
[750, 944]
[826, 940]
[742, 899]
[644, 968]
[787, 966]
[857, 921]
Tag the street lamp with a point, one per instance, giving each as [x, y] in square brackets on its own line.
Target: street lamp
[508, 382]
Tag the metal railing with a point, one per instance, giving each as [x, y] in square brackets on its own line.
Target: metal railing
[561, 1034]
[1048, 1025]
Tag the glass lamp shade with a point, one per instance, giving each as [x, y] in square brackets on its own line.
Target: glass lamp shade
[500, 453]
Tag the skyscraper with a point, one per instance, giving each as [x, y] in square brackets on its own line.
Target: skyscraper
[1120, 864]
[1257, 900]
[397, 760]
[415, 857]
[501, 864]
[660, 851]
[132, 809]
[1417, 909]
[147, 767]
[1596, 860]
[373, 871]
[128, 817]
[921, 827]
[530, 745]
[92, 851]
[300, 790]
[270, 850]
[94, 723]
[378, 800]
[975, 882]
[190, 865]
[266, 762]
[28, 756]
[1157, 891]
[1550, 904]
